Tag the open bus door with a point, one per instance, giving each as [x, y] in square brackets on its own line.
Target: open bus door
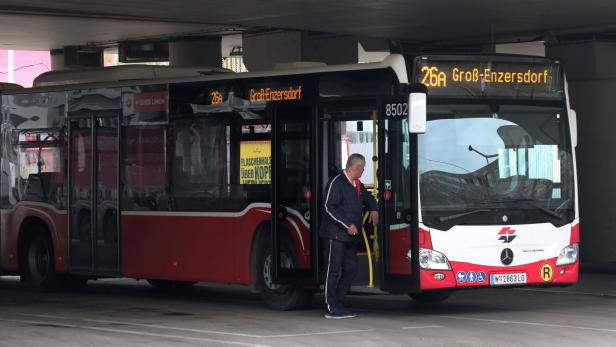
[294, 196]
[363, 126]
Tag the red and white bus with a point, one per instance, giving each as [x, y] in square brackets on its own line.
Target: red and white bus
[219, 177]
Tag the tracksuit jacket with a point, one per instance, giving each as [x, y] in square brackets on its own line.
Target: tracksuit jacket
[343, 206]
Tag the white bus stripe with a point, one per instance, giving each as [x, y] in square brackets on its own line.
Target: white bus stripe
[299, 233]
[257, 206]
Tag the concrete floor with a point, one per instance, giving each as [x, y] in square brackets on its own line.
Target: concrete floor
[129, 313]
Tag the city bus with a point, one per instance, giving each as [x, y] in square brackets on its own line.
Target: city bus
[218, 177]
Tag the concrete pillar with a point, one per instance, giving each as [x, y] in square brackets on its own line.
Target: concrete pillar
[264, 51]
[74, 57]
[202, 51]
[57, 59]
[592, 85]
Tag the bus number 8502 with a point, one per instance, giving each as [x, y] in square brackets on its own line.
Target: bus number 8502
[396, 109]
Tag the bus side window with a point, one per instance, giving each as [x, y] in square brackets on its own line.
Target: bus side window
[199, 181]
[145, 168]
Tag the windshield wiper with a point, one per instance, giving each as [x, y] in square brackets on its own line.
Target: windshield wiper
[527, 202]
[550, 212]
[458, 215]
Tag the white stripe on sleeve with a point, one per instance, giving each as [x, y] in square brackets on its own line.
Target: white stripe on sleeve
[327, 199]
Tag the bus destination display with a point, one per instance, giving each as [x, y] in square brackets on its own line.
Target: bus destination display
[257, 95]
[489, 78]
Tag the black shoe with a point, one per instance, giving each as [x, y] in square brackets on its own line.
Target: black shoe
[348, 313]
[339, 313]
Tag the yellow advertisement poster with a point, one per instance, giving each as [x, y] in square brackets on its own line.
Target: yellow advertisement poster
[255, 162]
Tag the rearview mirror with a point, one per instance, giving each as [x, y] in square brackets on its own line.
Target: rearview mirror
[417, 108]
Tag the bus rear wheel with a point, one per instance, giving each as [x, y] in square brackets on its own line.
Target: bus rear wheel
[433, 297]
[38, 267]
[279, 296]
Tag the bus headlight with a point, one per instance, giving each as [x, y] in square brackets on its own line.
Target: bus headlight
[568, 255]
[432, 260]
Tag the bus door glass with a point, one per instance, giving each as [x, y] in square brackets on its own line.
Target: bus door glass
[397, 167]
[80, 209]
[295, 233]
[93, 180]
[107, 240]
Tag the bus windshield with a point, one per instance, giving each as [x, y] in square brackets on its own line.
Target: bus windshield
[482, 164]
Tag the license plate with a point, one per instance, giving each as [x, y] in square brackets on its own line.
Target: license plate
[507, 279]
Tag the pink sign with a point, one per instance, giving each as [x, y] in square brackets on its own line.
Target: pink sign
[24, 66]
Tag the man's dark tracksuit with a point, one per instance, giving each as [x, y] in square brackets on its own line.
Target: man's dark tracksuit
[344, 205]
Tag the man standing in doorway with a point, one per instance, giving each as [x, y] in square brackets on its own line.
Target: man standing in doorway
[345, 200]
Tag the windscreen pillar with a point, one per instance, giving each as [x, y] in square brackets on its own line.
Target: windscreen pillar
[263, 51]
[201, 51]
[371, 50]
[591, 74]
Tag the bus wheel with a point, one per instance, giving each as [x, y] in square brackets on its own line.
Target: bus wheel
[433, 297]
[38, 267]
[171, 285]
[279, 296]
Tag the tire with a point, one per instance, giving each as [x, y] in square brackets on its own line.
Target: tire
[278, 296]
[38, 262]
[433, 297]
[171, 285]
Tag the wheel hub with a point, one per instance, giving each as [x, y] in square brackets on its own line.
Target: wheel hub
[268, 274]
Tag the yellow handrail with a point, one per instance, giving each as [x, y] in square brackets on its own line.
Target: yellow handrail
[374, 186]
[365, 235]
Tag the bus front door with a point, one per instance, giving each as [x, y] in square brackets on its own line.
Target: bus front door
[357, 127]
[351, 127]
[294, 202]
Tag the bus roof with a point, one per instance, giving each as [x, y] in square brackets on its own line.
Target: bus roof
[9, 86]
[121, 73]
[394, 61]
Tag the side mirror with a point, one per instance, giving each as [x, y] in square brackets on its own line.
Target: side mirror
[417, 108]
[573, 127]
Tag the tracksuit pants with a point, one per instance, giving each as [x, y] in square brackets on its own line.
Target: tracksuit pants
[341, 271]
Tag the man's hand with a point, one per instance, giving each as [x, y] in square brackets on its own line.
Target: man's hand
[352, 230]
[374, 218]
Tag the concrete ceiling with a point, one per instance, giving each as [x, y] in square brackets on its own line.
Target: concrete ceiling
[44, 24]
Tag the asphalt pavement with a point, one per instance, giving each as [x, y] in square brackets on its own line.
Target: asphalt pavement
[125, 312]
